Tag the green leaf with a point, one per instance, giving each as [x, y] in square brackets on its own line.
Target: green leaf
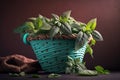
[69, 64]
[66, 13]
[78, 69]
[91, 25]
[65, 29]
[32, 18]
[77, 60]
[80, 36]
[74, 30]
[68, 27]
[97, 36]
[54, 30]
[81, 39]
[63, 19]
[68, 70]
[22, 74]
[89, 50]
[82, 24]
[30, 28]
[58, 24]
[46, 19]
[88, 73]
[35, 76]
[14, 74]
[82, 66]
[106, 72]
[52, 75]
[77, 26]
[101, 70]
[71, 20]
[92, 42]
[45, 26]
[56, 17]
[27, 27]
[40, 16]
[30, 24]
[38, 23]
[70, 59]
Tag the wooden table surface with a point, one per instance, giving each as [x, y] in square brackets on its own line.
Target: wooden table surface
[111, 76]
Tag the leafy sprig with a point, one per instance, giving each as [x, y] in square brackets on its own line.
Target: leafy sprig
[63, 24]
[101, 70]
[74, 66]
[35, 26]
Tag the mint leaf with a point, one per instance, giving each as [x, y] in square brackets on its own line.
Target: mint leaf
[69, 64]
[91, 25]
[77, 27]
[88, 73]
[63, 19]
[89, 50]
[106, 72]
[24, 28]
[54, 30]
[45, 26]
[101, 70]
[68, 27]
[97, 36]
[68, 70]
[92, 42]
[65, 29]
[81, 39]
[56, 17]
[52, 75]
[32, 18]
[66, 14]
[14, 74]
[35, 76]
[22, 74]
[38, 23]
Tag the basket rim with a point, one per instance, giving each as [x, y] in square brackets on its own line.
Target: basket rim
[46, 36]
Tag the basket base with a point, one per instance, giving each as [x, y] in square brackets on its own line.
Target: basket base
[52, 54]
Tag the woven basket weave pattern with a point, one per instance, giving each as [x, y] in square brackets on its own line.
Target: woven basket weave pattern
[52, 54]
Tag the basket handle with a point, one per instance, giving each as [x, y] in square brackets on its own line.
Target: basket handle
[25, 38]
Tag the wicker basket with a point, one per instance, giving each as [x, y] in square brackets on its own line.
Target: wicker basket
[52, 54]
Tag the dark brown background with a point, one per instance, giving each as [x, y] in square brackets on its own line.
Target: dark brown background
[106, 53]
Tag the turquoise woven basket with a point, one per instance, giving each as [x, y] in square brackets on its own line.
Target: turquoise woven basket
[52, 54]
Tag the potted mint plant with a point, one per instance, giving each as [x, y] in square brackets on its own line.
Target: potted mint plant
[54, 39]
